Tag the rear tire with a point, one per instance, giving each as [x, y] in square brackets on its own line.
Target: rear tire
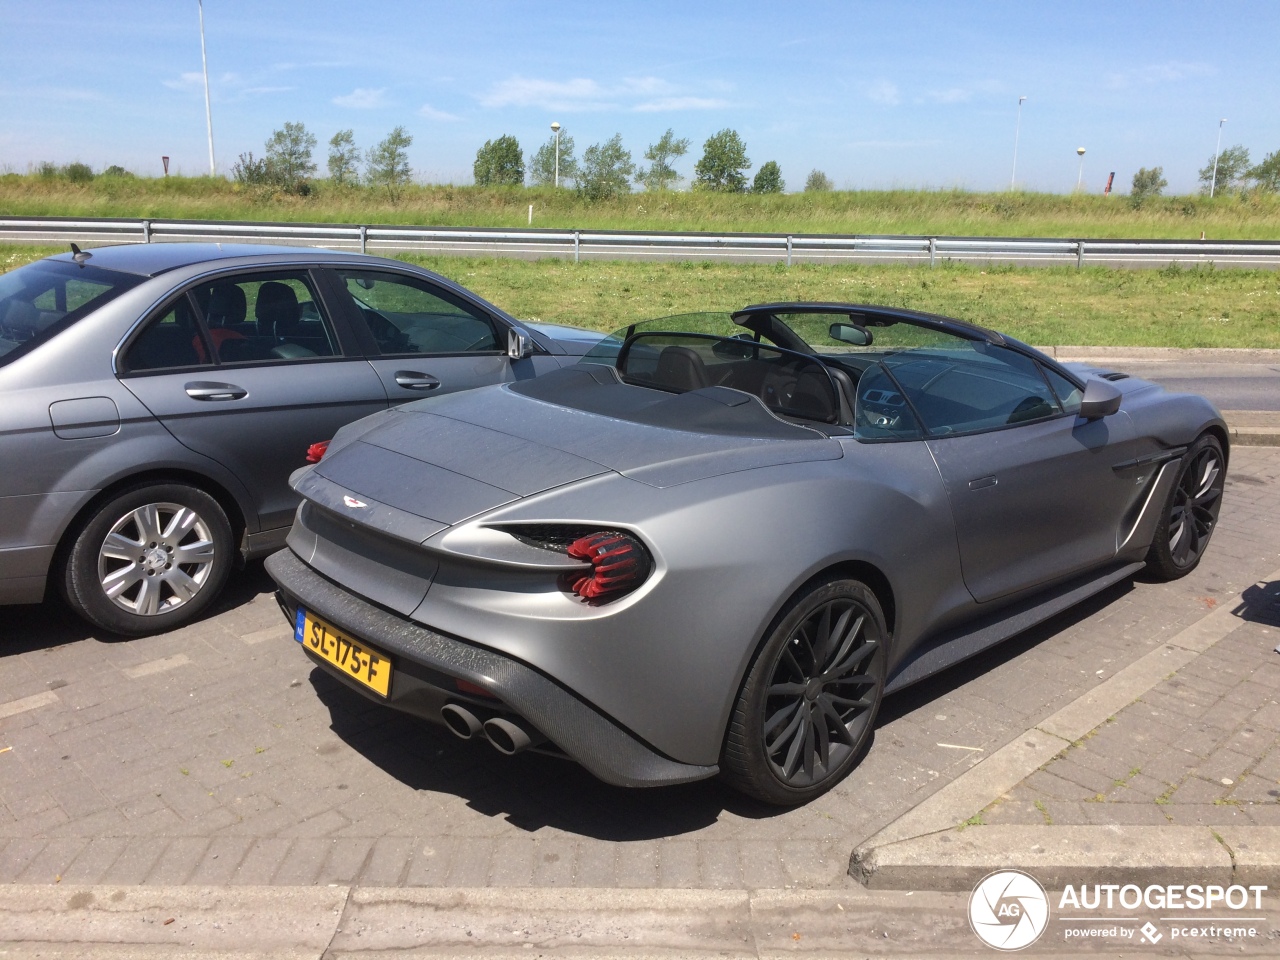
[810, 699]
[150, 559]
[1190, 513]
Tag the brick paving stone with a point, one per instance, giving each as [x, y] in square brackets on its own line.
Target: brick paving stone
[387, 862]
[348, 855]
[262, 860]
[179, 861]
[474, 864]
[597, 865]
[1052, 787]
[1225, 764]
[719, 864]
[555, 862]
[302, 864]
[136, 860]
[94, 860]
[761, 865]
[678, 864]
[1124, 814]
[638, 864]
[52, 861]
[1023, 812]
[17, 855]
[220, 861]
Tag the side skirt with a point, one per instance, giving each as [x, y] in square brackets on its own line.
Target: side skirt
[963, 642]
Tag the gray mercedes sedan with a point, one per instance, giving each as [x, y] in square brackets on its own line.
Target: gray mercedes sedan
[157, 397]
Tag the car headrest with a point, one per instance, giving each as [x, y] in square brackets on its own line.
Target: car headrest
[276, 308]
[226, 305]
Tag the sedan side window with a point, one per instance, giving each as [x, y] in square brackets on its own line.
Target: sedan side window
[265, 317]
[1068, 393]
[409, 316]
[170, 341]
[978, 386]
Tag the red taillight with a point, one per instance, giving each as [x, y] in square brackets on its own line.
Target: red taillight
[315, 452]
[472, 689]
[619, 564]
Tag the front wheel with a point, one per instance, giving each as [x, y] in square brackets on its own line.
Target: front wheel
[1191, 511]
[150, 559]
[809, 702]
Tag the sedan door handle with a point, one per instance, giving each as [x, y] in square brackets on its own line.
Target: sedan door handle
[982, 483]
[411, 380]
[208, 390]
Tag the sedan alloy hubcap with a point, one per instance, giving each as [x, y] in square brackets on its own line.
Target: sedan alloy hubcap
[1196, 502]
[824, 684]
[155, 558]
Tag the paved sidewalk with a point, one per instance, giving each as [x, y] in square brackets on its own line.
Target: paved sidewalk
[217, 755]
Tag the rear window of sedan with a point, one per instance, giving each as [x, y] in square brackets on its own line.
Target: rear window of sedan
[40, 300]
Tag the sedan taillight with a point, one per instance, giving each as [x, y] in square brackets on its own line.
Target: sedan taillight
[619, 564]
[316, 452]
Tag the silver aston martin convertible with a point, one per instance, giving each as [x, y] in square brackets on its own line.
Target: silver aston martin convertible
[715, 544]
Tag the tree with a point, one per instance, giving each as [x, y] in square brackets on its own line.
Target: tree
[817, 181]
[1267, 173]
[768, 179]
[606, 170]
[661, 175]
[1233, 167]
[289, 157]
[499, 163]
[387, 164]
[1147, 183]
[723, 165]
[251, 171]
[344, 158]
[78, 172]
[542, 165]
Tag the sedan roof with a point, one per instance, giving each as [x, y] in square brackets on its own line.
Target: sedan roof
[152, 259]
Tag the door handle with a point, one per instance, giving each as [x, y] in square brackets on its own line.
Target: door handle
[412, 380]
[982, 483]
[208, 390]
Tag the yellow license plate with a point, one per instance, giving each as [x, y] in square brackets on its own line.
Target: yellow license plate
[357, 661]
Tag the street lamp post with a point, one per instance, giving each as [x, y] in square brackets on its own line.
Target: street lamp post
[1216, 150]
[208, 114]
[1080, 175]
[1016, 130]
[555, 128]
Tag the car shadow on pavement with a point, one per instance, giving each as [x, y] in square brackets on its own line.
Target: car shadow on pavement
[529, 790]
[532, 790]
[39, 626]
[920, 694]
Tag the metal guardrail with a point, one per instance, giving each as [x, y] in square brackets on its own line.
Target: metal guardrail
[617, 244]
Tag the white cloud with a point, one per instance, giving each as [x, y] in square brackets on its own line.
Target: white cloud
[362, 98]
[885, 92]
[950, 95]
[667, 104]
[582, 94]
[1169, 72]
[431, 113]
[188, 81]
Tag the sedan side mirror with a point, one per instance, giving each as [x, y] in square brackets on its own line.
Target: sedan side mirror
[519, 344]
[1101, 399]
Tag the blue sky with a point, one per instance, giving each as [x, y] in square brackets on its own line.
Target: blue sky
[911, 94]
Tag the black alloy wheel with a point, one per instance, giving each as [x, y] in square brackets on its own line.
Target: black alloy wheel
[809, 703]
[1191, 512]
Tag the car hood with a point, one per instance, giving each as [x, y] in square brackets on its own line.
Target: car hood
[449, 458]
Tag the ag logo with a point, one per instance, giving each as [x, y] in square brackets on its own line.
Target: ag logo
[352, 502]
[1008, 910]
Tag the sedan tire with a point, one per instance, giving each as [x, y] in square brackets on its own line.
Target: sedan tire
[808, 705]
[1191, 511]
[150, 559]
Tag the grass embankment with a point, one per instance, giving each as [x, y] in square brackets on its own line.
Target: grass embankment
[1047, 305]
[1254, 216]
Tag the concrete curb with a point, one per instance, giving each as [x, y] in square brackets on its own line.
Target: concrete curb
[928, 845]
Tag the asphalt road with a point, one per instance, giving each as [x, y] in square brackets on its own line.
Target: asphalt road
[1229, 386]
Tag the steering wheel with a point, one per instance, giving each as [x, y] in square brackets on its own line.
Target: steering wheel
[390, 338]
[778, 388]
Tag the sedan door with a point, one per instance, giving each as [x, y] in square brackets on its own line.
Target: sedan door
[249, 370]
[1033, 488]
[424, 340]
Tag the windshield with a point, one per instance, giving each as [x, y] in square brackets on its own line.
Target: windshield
[42, 299]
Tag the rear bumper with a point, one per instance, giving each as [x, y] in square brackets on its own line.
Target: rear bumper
[423, 661]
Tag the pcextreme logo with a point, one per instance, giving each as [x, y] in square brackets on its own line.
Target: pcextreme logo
[1008, 910]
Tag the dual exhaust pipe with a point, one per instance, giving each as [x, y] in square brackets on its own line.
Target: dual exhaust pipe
[504, 735]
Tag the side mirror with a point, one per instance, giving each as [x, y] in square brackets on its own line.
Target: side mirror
[850, 333]
[519, 344]
[1101, 399]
